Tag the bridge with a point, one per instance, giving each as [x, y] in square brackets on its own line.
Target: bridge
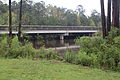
[40, 29]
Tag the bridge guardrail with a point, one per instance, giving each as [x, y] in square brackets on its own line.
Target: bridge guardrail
[37, 27]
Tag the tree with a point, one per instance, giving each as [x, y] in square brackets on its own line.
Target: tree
[109, 17]
[82, 18]
[95, 16]
[3, 7]
[103, 18]
[39, 12]
[20, 20]
[10, 20]
[71, 18]
[115, 13]
[91, 22]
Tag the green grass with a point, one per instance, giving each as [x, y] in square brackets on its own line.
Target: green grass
[24, 69]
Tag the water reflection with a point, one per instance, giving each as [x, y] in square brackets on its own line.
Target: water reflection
[53, 43]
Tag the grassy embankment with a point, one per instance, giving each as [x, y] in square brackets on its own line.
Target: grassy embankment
[24, 69]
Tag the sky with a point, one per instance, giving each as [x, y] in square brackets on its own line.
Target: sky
[88, 5]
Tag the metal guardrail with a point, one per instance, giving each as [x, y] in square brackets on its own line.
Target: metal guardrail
[46, 27]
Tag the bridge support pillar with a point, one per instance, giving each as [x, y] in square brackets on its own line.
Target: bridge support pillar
[61, 37]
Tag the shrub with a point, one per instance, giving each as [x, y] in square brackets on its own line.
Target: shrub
[118, 68]
[96, 51]
[17, 50]
[85, 43]
[47, 54]
[50, 54]
[117, 41]
[70, 57]
[40, 53]
[3, 47]
[90, 44]
[111, 57]
[99, 34]
[83, 59]
[3, 36]
[27, 51]
[114, 33]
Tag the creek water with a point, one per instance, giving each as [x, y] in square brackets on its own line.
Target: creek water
[53, 43]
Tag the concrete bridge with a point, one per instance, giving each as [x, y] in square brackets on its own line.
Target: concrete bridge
[40, 29]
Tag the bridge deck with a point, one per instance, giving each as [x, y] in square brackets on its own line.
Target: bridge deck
[32, 29]
[52, 32]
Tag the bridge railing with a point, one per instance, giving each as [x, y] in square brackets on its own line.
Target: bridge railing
[41, 27]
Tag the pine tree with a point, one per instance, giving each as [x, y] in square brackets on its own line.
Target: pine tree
[103, 18]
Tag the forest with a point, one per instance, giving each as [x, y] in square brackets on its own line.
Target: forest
[41, 14]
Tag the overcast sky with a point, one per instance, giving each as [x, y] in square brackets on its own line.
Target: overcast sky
[88, 5]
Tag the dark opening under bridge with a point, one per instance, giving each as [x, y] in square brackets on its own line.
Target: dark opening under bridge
[40, 29]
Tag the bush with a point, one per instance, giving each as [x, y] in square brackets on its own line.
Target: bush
[47, 54]
[86, 60]
[70, 57]
[17, 50]
[3, 36]
[83, 59]
[96, 51]
[90, 44]
[99, 34]
[3, 47]
[27, 51]
[40, 53]
[110, 56]
[114, 33]
[50, 54]
[117, 41]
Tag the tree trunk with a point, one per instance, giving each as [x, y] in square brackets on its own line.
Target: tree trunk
[10, 20]
[10, 25]
[20, 20]
[109, 17]
[103, 18]
[115, 13]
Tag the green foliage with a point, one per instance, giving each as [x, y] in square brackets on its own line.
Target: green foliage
[90, 44]
[40, 53]
[83, 59]
[114, 33]
[100, 52]
[50, 54]
[3, 36]
[98, 34]
[3, 47]
[109, 57]
[91, 22]
[96, 17]
[47, 54]
[117, 40]
[38, 13]
[15, 43]
[70, 57]
[27, 51]
[17, 50]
